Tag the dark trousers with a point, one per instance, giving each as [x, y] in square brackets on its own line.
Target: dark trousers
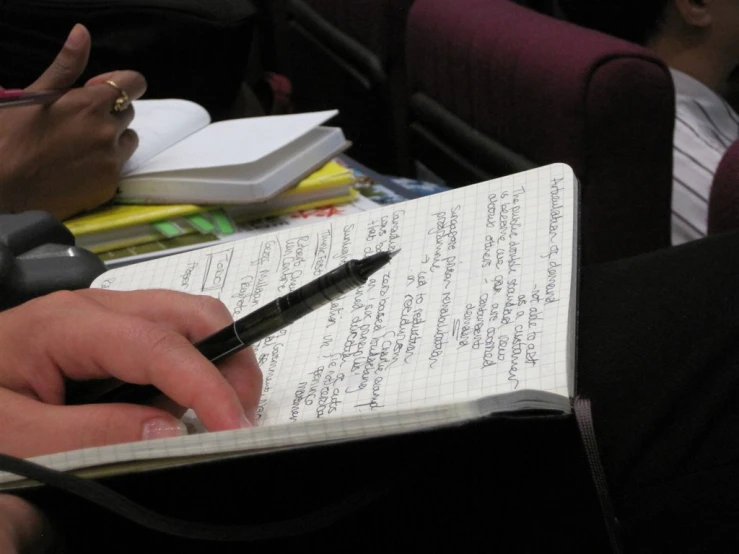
[659, 358]
[657, 355]
[190, 49]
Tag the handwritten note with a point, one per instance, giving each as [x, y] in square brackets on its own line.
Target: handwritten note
[476, 303]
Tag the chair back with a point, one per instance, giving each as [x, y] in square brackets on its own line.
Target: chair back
[496, 85]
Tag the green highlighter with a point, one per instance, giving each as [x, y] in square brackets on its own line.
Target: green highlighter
[222, 223]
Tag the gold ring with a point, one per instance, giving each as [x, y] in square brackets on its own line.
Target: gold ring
[123, 101]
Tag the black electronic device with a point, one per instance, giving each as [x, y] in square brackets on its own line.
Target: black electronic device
[38, 256]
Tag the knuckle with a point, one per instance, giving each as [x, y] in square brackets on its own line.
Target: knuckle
[51, 311]
[164, 343]
[84, 99]
[62, 299]
[211, 314]
[210, 305]
[133, 82]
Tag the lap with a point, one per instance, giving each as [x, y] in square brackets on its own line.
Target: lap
[659, 358]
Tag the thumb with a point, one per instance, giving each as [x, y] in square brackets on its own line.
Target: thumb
[46, 429]
[69, 63]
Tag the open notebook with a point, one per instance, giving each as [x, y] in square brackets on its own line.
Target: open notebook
[475, 316]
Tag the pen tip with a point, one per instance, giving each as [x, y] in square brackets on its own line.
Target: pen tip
[394, 252]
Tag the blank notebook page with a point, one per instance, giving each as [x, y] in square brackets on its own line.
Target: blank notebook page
[477, 302]
[160, 124]
[234, 142]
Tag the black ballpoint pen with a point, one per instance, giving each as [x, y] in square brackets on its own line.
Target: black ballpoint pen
[266, 320]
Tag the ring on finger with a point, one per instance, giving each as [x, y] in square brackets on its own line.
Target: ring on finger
[121, 103]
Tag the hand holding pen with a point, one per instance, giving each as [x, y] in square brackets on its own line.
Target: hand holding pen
[66, 153]
[98, 336]
[146, 337]
[264, 321]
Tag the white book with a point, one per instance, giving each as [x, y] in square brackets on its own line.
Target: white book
[183, 158]
[475, 316]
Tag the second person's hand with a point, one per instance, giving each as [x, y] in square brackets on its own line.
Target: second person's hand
[66, 157]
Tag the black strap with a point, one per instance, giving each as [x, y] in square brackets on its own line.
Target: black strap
[584, 417]
[112, 501]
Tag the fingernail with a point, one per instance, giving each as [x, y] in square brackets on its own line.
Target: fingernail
[76, 37]
[163, 429]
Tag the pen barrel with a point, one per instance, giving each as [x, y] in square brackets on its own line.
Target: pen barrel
[244, 332]
[280, 313]
[321, 291]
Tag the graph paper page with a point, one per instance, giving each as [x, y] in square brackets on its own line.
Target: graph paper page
[477, 302]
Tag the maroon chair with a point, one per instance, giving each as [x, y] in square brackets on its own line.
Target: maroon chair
[497, 88]
[349, 55]
[723, 203]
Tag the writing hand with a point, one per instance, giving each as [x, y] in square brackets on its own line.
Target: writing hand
[66, 157]
[141, 337]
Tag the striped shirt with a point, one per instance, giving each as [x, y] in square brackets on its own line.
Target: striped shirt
[705, 127]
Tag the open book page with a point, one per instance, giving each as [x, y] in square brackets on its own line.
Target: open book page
[234, 142]
[160, 124]
[477, 302]
[473, 316]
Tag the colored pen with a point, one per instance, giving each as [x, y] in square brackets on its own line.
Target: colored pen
[266, 320]
[15, 97]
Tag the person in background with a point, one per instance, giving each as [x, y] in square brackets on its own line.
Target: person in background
[66, 157]
[698, 40]
[142, 337]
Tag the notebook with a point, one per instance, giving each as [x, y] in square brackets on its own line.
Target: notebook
[474, 317]
[182, 158]
[242, 230]
[125, 225]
